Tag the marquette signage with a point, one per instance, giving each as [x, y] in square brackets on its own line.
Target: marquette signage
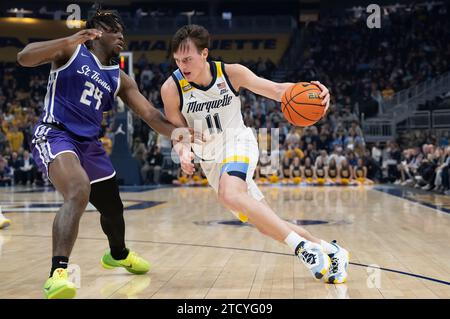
[15, 33]
[231, 48]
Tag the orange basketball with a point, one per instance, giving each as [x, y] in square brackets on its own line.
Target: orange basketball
[301, 104]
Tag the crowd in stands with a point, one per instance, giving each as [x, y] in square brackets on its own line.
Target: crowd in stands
[438, 103]
[363, 65]
[358, 64]
[424, 162]
[21, 98]
[359, 74]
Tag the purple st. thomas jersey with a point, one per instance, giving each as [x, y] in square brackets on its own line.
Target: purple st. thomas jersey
[79, 92]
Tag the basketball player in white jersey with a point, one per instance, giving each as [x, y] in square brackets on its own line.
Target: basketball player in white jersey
[203, 93]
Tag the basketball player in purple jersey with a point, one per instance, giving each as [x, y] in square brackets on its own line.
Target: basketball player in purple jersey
[82, 85]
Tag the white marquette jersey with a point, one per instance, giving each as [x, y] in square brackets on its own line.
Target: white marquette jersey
[215, 108]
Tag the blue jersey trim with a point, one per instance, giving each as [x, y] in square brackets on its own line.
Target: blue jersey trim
[238, 167]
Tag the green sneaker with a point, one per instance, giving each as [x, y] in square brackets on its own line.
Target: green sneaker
[133, 263]
[58, 286]
[4, 222]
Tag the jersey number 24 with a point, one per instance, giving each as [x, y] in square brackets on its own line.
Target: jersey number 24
[91, 91]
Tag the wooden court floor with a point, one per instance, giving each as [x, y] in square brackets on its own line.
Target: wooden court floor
[399, 248]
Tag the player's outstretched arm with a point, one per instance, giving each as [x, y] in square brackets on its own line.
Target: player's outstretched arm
[129, 93]
[171, 100]
[56, 51]
[242, 77]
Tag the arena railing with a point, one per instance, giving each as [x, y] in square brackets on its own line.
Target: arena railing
[402, 105]
[406, 101]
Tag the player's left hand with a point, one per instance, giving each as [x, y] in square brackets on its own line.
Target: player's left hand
[197, 136]
[325, 94]
[185, 156]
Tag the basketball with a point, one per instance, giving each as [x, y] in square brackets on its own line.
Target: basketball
[301, 104]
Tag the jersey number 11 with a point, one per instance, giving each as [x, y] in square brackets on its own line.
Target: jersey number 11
[218, 126]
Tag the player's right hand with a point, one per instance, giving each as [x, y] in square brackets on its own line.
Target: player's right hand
[186, 156]
[85, 35]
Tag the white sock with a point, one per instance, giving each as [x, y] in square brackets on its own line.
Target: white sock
[293, 240]
[327, 247]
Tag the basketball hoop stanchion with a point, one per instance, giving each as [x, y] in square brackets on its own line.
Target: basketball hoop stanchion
[127, 167]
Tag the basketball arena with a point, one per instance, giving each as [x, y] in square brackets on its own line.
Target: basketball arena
[334, 182]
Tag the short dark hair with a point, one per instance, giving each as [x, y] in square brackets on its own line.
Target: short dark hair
[105, 18]
[196, 33]
[109, 20]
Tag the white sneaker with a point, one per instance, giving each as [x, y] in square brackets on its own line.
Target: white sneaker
[314, 259]
[337, 274]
